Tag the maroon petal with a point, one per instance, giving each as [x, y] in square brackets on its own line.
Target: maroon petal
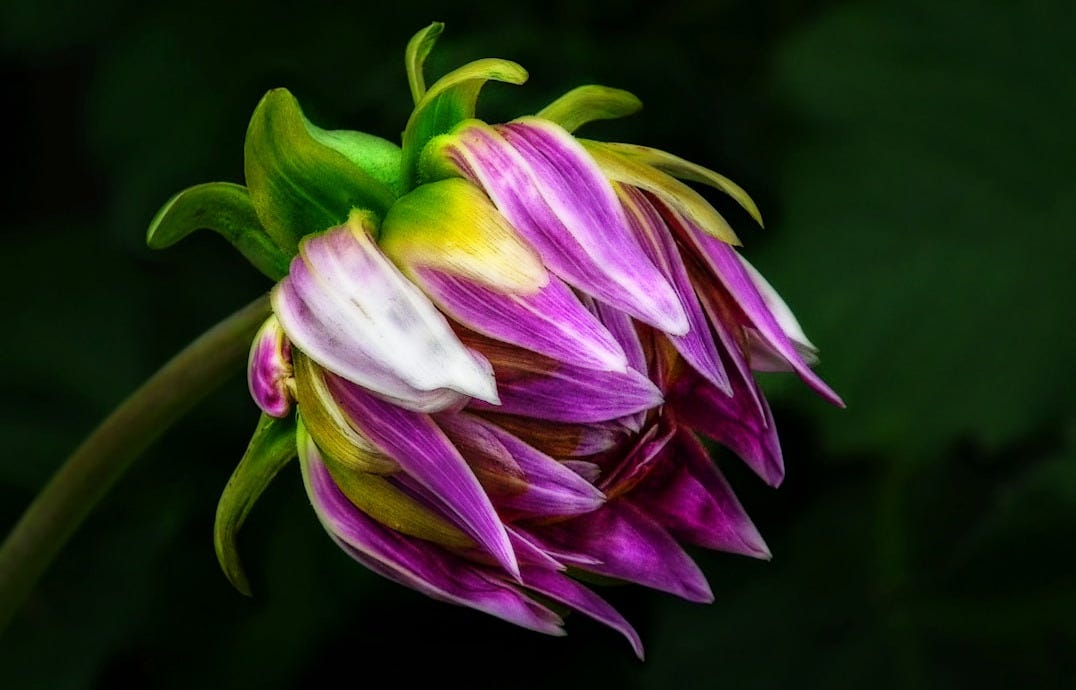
[687, 494]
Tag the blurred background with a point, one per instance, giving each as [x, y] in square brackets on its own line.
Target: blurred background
[916, 165]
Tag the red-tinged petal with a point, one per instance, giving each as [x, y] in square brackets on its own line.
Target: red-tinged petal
[697, 345]
[413, 562]
[347, 307]
[548, 187]
[550, 321]
[629, 546]
[269, 370]
[742, 422]
[687, 494]
[570, 593]
[543, 487]
[423, 451]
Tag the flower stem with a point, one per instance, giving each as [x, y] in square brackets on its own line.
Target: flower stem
[107, 452]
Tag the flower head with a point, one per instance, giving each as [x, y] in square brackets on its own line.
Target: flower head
[494, 349]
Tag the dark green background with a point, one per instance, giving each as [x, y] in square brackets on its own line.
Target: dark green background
[916, 164]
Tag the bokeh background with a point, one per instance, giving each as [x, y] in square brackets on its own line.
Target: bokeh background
[916, 165]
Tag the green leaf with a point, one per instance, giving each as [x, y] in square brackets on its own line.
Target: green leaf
[589, 103]
[450, 101]
[272, 447]
[226, 209]
[299, 183]
[418, 49]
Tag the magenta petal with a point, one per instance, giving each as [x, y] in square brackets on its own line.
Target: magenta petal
[570, 593]
[630, 546]
[574, 394]
[351, 310]
[551, 321]
[544, 488]
[554, 194]
[269, 369]
[697, 345]
[742, 422]
[416, 563]
[425, 453]
[726, 266]
[688, 495]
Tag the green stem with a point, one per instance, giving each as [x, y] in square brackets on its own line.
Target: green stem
[107, 453]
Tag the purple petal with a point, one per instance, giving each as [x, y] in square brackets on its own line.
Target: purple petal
[688, 495]
[622, 329]
[550, 189]
[416, 563]
[697, 345]
[550, 321]
[725, 264]
[346, 306]
[638, 461]
[742, 421]
[543, 487]
[570, 593]
[424, 453]
[269, 369]
[630, 546]
[573, 394]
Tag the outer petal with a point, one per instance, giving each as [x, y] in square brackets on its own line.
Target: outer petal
[554, 194]
[569, 592]
[542, 488]
[551, 321]
[424, 453]
[630, 546]
[269, 369]
[413, 562]
[351, 310]
[763, 356]
[572, 394]
[725, 265]
[697, 345]
[688, 495]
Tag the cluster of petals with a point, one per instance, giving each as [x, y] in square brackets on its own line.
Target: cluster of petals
[503, 382]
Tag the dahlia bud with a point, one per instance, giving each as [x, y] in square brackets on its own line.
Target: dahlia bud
[494, 347]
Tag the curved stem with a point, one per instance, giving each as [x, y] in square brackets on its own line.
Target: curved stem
[107, 453]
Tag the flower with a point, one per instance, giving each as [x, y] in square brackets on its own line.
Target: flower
[494, 349]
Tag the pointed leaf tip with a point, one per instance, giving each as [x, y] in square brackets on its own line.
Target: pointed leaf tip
[589, 103]
[271, 447]
[418, 49]
[226, 209]
[450, 101]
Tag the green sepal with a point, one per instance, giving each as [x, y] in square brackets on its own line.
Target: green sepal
[299, 183]
[379, 158]
[418, 49]
[450, 101]
[226, 209]
[271, 447]
[589, 103]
